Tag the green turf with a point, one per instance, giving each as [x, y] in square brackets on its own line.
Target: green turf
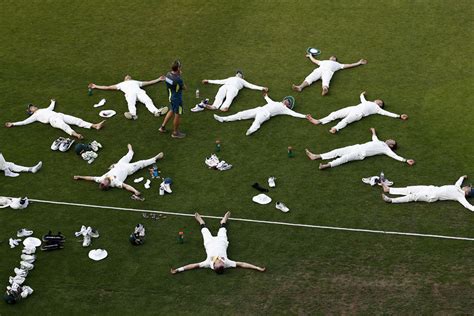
[419, 63]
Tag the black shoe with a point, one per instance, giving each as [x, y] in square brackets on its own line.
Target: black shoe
[259, 187]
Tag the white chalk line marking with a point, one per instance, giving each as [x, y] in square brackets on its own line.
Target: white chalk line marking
[360, 230]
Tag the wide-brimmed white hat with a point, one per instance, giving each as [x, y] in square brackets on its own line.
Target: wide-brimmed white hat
[31, 242]
[262, 199]
[107, 113]
[98, 254]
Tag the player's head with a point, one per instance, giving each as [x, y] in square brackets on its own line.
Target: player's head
[176, 66]
[127, 77]
[219, 266]
[105, 184]
[333, 58]
[31, 108]
[468, 191]
[239, 74]
[289, 102]
[380, 103]
[392, 144]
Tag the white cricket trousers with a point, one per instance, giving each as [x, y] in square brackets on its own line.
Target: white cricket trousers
[317, 74]
[131, 168]
[143, 98]
[16, 168]
[345, 154]
[207, 236]
[416, 193]
[224, 97]
[258, 114]
[348, 115]
[62, 122]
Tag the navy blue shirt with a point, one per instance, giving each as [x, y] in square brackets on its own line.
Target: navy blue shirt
[174, 84]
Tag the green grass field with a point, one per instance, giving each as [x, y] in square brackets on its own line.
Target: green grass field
[419, 55]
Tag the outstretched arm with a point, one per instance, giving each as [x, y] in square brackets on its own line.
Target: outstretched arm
[29, 120]
[313, 60]
[460, 181]
[94, 86]
[466, 204]
[394, 115]
[362, 97]
[51, 105]
[245, 265]
[374, 135]
[147, 83]
[266, 97]
[360, 62]
[87, 178]
[129, 188]
[191, 266]
[253, 86]
[206, 81]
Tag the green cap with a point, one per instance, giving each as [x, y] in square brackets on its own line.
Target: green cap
[291, 100]
[80, 148]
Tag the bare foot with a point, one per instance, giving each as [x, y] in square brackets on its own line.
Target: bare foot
[323, 166]
[296, 88]
[333, 131]
[386, 198]
[325, 91]
[159, 156]
[225, 218]
[312, 120]
[311, 155]
[78, 136]
[386, 189]
[98, 125]
[129, 147]
[225, 110]
[198, 217]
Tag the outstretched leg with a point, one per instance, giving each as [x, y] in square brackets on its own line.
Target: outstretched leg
[134, 167]
[128, 157]
[312, 77]
[260, 118]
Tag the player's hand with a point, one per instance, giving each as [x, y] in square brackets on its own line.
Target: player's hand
[404, 117]
[205, 81]
[8, 124]
[53, 100]
[372, 130]
[308, 55]
[91, 86]
[264, 93]
[465, 176]
[265, 89]
[76, 177]
[411, 162]
[262, 269]
[363, 92]
[173, 271]
[162, 78]
[362, 61]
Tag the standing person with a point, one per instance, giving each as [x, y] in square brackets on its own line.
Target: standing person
[55, 119]
[359, 152]
[431, 193]
[118, 173]
[229, 89]
[325, 71]
[11, 170]
[355, 113]
[133, 92]
[216, 250]
[262, 114]
[175, 87]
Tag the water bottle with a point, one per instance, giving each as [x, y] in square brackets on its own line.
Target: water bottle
[197, 93]
[382, 177]
[290, 152]
[89, 91]
[218, 145]
[180, 237]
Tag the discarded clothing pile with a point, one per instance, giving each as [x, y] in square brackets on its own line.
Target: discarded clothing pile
[88, 152]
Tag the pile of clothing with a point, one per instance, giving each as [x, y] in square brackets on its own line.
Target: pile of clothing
[14, 203]
[138, 235]
[88, 152]
[87, 234]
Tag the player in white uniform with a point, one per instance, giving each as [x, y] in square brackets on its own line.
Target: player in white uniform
[325, 71]
[216, 250]
[133, 92]
[431, 193]
[227, 92]
[359, 152]
[263, 113]
[55, 119]
[11, 170]
[119, 172]
[355, 113]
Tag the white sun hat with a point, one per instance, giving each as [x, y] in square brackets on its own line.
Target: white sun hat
[31, 242]
[107, 113]
[98, 254]
[261, 199]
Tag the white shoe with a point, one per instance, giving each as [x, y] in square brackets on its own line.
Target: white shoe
[94, 233]
[147, 184]
[218, 118]
[271, 182]
[222, 166]
[95, 145]
[26, 291]
[24, 232]
[21, 272]
[101, 103]
[81, 232]
[66, 144]
[26, 265]
[166, 187]
[12, 243]
[282, 207]
[138, 180]
[28, 258]
[56, 143]
[29, 250]
[37, 167]
[197, 108]
[17, 279]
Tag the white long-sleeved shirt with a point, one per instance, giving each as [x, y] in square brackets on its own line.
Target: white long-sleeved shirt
[378, 147]
[117, 175]
[217, 247]
[278, 108]
[237, 83]
[330, 65]
[41, 115]
[367, 108]
[130, 86]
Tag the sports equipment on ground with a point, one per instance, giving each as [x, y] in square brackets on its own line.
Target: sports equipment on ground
[66, 144]
[107, 113]
[313, 51]
[31, 242]
[282, 207]
[101, 103]
[259, 187]
[271, 182]
[261, 199]
[98, 254]
[56, 143]
[24, 232]
[147, 184]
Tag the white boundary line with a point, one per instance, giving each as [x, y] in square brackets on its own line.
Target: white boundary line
[360, 230]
